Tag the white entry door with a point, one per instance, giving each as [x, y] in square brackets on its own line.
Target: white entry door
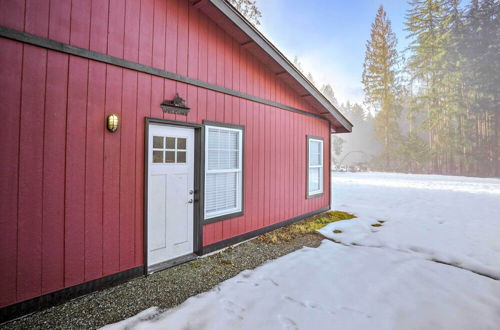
[170, 193]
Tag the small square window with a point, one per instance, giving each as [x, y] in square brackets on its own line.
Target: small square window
[181, 143]
[158, 142]
[157, 156]
[169, 156]
[181, 156]
[170, 143]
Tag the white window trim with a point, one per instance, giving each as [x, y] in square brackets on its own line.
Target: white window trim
[239, 190]
[309, 166]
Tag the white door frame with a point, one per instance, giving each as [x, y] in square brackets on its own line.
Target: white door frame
[197, 196]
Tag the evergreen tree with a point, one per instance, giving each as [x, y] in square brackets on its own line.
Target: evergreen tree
[425, 25]
[380, 84]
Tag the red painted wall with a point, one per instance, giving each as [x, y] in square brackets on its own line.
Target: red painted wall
[71, 193]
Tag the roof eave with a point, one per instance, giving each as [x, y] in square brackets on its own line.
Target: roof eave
[230, 12]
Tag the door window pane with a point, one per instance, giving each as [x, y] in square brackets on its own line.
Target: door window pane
[181, 156]
[170, 143]
[169, 156]
[181, 143]
[157, 156]
[158, 142]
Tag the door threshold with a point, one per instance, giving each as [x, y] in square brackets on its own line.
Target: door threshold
[171, 263]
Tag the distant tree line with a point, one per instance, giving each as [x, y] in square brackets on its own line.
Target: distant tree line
[437, 110]
[435, 107]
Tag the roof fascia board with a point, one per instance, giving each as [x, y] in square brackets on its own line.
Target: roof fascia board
[276, 55]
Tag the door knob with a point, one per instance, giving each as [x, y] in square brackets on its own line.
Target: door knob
[190, 201]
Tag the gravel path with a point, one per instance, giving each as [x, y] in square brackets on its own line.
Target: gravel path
[165, 289]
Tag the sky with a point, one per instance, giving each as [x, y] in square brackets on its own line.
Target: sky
[329, 37]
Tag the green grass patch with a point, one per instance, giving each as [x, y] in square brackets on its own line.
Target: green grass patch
[380, 221]
[306, 226]
[377, 225]
[337, 231]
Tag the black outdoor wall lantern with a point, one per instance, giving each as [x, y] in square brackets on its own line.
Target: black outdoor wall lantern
[177, 105]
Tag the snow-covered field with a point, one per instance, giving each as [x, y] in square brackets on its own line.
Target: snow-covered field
[431, 265]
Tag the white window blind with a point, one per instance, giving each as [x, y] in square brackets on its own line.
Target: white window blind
[223, 171]
[315, 167]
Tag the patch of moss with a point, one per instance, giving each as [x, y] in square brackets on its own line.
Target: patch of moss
[306, 226]
[226, 262]
[337, 231]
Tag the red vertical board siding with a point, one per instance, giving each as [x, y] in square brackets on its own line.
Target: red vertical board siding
[143, 110]
[127, 169]
[30, 173]
[212, 53]
[146, 32]
[160, 7]
[99, 26]
[131, 41]
[266, 153]
[12, 14]
[59, 20]
[75, 171]
[10, 94]
[116, 27]
[171, 36]
[37, 18]
[111, 182]
[80, 23]
[53, 172]
[193, 42]
[182, 37]
[94, 171]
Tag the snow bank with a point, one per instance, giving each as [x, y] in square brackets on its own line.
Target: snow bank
[454, 220]
[341, 287]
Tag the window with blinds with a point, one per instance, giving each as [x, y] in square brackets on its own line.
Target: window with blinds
[223, 171]
[315, 166]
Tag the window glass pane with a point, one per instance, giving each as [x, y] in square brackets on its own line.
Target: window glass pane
[181, 156]
[224, 142]
[222, 183]
[221, 192]
[158, 142]
[157, 156]
[181, 143]
[314, 179]
[234, 159]
[213, 138]
[213, 159]
[315, 152]
[169, 156]
[233, 140]
[314, 159]
[170, 143]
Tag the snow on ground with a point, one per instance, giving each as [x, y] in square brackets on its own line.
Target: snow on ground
[385, 280]
[451, 219]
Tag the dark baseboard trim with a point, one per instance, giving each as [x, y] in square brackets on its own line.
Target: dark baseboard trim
[171, 263]
[57, 46]
[58, 297]
[243, 237]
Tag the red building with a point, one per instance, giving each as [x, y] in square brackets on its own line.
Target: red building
[244, 149]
